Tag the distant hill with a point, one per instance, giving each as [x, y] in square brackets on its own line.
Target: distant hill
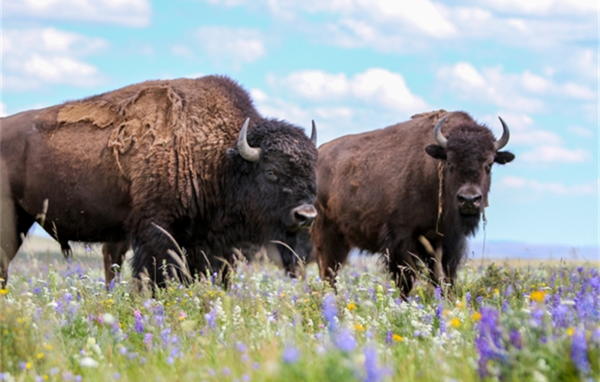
[511, 250]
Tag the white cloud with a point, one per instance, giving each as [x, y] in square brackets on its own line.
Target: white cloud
[134, 13]
[520, 92]
[550, 153]
[374, 86]
[36, 57]
[522, 129]
[544, 7]
[232, 45]
[581, 131]
[557, 188]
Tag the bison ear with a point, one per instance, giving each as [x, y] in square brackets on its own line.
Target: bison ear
[503, 157]
[437, 152]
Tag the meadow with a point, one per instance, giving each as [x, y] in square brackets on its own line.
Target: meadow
[502, 322]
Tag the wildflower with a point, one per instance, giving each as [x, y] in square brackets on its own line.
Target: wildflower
[538, 296]
[488, 341]
[476, 316]
[148, 339]
[3, 291]
[359, 327]
[211, 318]
[579, 352]
[291, 354]
[374, 372]
[330, 311]
[345, 341]
[351, 306]
[88, 362]
[108, 319]
[40, 355]
[455, 322]
[515, 339]
[139, 324]
[397, 338]
[570, 332]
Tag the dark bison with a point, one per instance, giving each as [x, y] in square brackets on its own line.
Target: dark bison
[380, 192]
[188, 158]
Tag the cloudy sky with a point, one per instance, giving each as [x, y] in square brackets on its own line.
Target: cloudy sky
[353, 66]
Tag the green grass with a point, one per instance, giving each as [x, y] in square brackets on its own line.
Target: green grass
[58, 323]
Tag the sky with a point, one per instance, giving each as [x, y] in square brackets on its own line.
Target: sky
[354, 66]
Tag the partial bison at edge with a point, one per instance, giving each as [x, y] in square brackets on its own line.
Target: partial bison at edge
[192, 157]
[379, 192]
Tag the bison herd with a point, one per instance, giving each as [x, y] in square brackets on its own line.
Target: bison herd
[187, 173]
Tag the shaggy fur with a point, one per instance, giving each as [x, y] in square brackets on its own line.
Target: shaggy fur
[378, 191]
[159, 153]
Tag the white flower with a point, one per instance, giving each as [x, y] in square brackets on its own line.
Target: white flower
[88, 362]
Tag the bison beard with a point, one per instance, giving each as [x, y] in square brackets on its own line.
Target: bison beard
[120, 166]
[379, 192]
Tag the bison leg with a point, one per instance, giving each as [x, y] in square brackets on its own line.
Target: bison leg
[151, 245]
[14, 227]
[330, 248]
[113, 254]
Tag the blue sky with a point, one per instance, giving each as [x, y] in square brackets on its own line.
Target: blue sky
[354, 65]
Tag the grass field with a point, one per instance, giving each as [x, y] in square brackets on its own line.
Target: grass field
[509, 322]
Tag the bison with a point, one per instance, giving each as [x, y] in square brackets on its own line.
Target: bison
[413, 191]
[163, 165]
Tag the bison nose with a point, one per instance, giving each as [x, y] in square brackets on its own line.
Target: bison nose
[469, 202]
[304, 215]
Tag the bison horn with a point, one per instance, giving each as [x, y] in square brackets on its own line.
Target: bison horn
[437, 132]
[500, 143]
[251, 154]
[313, 134]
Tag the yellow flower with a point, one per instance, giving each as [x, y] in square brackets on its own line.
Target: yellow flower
[538, 296]
[282, 295]
[351, 306]
[3, 291]
[496, 291]
[40, 355]
[455, 322]
[48, 347]
[28, 365]
[45, 377]
[397, 338]
[359, 327]
[459, 304]
[570, 332]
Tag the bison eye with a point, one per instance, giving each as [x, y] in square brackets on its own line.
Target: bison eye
[488, 168]
[271, 175]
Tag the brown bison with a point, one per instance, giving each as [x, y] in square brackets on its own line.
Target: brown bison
[412, 191]
[186, 161]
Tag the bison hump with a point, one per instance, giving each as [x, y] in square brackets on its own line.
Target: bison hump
[100, 113]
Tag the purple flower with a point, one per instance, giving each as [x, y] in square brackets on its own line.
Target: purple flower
[211, 318]
[515, 339]
[468, 299]
[489, 340]
[345, 340]
[330, 311]
[291, 354]
[148, 339]
[139, 324]
[438, 293]
[241, 347]
[389, 337]
[579, 352]
[374, 372]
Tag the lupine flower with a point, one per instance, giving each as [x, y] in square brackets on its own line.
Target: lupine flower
[139, 324]
[373, 371]
[330, 311]
[291, 354]
[579, 352]
[345, 340]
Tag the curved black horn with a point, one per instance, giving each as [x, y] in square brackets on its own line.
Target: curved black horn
[251, 154]
[313, 134]
[437, 132]
[500, 143]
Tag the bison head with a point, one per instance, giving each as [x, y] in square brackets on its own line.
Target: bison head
[469, 152]
[275, 179]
